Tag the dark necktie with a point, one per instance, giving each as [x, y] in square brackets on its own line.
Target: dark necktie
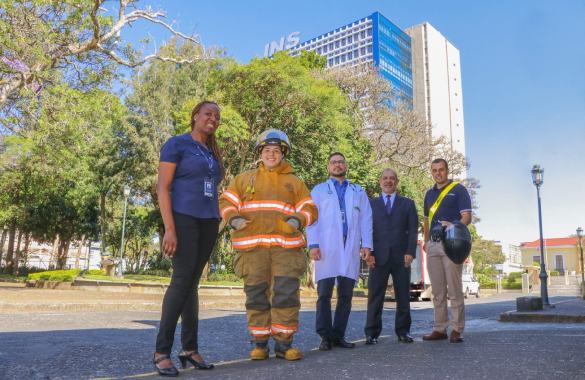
[388, 203]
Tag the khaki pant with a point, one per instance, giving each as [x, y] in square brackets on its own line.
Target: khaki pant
[445, 276]
[271, 283]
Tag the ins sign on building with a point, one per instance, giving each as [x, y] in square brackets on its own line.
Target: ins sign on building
[292, 41]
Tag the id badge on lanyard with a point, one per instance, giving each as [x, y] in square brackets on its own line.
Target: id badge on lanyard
[208, 191]
[208, 183]
[342, 216]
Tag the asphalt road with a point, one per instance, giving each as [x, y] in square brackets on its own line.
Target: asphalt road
[93, 344]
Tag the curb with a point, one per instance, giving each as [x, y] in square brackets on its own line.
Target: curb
[107, 306]
[541, 318]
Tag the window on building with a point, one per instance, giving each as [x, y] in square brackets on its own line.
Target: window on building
[349, 40]
[349, 56]
[536, 259]
[356, 53]
[370, 32]
[363, 51]
[337, 60]
[331, 46]
[325, 49]
[330, 62]
[369, 49]
[336, 44]
[343, 42]
[343, 58]
[363, 34]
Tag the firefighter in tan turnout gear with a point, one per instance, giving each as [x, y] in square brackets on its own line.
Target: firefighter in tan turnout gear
[268, 207]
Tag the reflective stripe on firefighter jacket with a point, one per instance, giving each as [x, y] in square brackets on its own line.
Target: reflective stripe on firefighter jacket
[268, 198]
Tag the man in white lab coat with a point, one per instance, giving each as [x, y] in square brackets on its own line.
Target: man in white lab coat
[345, 221]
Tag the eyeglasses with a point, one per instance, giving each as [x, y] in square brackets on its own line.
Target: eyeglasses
[337, 162]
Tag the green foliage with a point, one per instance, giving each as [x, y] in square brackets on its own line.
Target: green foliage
[555, 273]
[56, 275]
[512, 286]
[312, 60]
[487, 284]
[160, 262]
[536, 264]
[511, 280]
[217, 277]
[515, 274]
[96, 272]
[482, 278]
[156, 272]
[485, 253]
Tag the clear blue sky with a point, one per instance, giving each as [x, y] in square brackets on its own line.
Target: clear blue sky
[523, 76]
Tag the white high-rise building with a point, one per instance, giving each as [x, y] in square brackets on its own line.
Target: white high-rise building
[436, 80]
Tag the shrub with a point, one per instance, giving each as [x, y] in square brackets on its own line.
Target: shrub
[536, 264]
[511, 280]
[487, 285]
[482, 277]
[216, 277]
[56, 275]
[157, 272]
[510, 286]
[554, 273]
[96, 272]
[515, 275]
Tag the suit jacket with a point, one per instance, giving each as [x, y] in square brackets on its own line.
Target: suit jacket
[394, 234]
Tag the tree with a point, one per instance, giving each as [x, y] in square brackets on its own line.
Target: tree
[279, 93]
[160, 101]
[76, 41]
[485, 253]
[397, 136]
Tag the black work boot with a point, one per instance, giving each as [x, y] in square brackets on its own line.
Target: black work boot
[261, 351]
[284, 350]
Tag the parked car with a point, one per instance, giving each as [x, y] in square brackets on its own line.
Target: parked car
[470, 286]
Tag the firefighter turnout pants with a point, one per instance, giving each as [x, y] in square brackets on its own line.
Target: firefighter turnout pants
[272, 286]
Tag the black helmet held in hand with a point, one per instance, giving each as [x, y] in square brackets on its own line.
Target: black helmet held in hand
[457, 242]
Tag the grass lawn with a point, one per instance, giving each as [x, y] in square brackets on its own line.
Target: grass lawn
[130, 278]
[150, 278]
[228, 283]
[11, 277]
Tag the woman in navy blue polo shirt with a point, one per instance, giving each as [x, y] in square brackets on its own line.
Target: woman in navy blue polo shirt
[190, 170]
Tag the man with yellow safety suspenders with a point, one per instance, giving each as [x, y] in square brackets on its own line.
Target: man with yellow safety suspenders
[445, 203]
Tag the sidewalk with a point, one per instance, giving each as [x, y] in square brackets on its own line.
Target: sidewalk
[507, 354]
[571, 311]
[16, 297]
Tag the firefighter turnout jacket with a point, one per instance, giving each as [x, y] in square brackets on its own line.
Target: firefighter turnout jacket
[268, 198]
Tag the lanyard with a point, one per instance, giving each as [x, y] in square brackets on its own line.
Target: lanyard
[209, 160]
[340, 197]
[438, 201]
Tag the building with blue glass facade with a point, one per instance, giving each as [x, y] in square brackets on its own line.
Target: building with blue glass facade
[372, 39]
[421, 64]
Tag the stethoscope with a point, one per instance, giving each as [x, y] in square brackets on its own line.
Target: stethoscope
[351, 185]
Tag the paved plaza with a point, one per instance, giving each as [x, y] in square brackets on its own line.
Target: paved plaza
[96, 342]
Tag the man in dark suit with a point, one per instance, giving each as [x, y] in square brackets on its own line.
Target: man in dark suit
[395, 223]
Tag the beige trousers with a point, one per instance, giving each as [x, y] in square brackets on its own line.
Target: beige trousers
[445, 277]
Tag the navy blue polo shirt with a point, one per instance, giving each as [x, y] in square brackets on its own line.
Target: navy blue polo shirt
[187, 189]
[456, 201]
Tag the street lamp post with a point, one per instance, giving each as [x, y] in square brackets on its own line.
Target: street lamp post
[126, 195]
[580, 236]
[537, 180]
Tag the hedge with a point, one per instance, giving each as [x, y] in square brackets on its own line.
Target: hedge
[96, 272]
[56, 275]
